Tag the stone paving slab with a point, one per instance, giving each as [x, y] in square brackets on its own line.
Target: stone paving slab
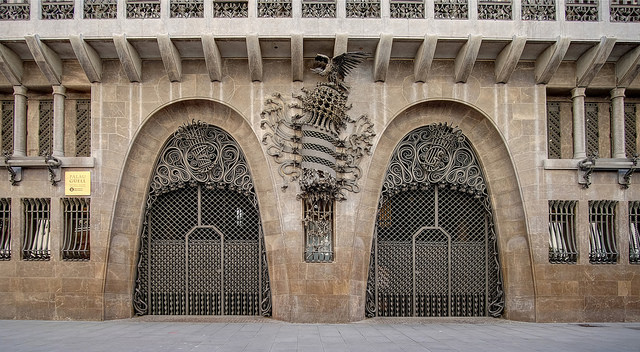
[250, 334]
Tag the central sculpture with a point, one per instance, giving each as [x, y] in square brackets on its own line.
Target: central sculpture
[318, 144]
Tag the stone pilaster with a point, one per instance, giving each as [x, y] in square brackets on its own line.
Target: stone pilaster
[20, 121]
[617, 123]
[58, 120]
[579, 143]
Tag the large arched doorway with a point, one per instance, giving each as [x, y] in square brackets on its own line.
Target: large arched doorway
[434, 249]
[201, 246]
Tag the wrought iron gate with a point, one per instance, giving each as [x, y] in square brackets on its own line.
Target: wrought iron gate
[434, 250]
[202, 250]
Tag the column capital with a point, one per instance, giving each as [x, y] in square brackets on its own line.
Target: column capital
[578, 92]
[20, 90]
[61, 90]
[617, 92]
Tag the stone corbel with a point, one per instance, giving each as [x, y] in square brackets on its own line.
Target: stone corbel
[624, 176]
[585, 169]
[53, 165]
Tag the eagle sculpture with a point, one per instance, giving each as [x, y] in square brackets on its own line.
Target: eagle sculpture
[337, 68]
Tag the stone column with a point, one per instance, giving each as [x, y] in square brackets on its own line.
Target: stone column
[579, 143]
[617, 123]
[58, 120]
[20, 121]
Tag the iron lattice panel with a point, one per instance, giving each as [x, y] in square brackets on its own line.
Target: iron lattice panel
[201, 246]
[7, 127]
[45, 130]
[83, 127]
[630, 133]
[434, 251]
[554, 136]
[592, 130]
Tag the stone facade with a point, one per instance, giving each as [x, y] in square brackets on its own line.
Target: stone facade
[500, 104]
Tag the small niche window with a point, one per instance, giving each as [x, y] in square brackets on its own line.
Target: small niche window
[77, 229]
[603, 248]
[5, 229]
[634, 232]
[35, 244]
[318, 229]
[562, 235]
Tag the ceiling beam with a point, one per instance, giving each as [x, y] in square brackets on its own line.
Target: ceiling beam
[11, 66]
[47, 60]
[254, 55]
[424, 58]
[628, 67]
[212, 57]
[508, 58]
[548, 62]
[170, 58]
[466, 58]
[590, 63]
[383, 56]
[88, 58]
[297, 57]
[129, 58]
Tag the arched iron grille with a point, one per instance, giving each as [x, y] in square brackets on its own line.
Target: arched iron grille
[434, 250]
[201, 247]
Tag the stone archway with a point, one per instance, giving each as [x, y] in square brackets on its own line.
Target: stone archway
[127, 218]
[502, 183]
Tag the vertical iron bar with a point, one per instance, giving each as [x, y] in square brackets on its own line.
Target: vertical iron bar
[376, 277]
[486, 262]
[413, 272]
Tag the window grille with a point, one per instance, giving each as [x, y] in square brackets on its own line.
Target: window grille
[7, 127]
[318, 229]
[407, 8]
[538, 10]
[186, 9]
[35, 243]
[451, 9]
[57, 9]
[319, 8]
[603, 248]
[14, 10]
[100, 9]
[230, 9]
[77, 229]
[83, 127]
[494, 9]
[5, 228]
[592, 130]
[581, 10]
[634, 232]
[274, 8]
[624, 11]
[363, 8]
[630, 133]
[554, 131]
[45, 130]
[562, 232]
[143, 8]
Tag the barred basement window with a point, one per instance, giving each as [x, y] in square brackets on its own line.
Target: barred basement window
[318, 230]
[603, 248]
[562, 232]
[5, 228]
[591, 126]
[7, 127]
[45, 130]
[77, 229]
[35, 242]
[634, 232]
[630, 133]
[83, 127]
[553, 131]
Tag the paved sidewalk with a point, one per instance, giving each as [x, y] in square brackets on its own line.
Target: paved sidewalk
[269, 335]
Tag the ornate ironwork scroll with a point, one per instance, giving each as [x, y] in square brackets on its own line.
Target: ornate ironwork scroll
[495, 10]
[143, 8]
[57, 10]
[317, 144]
[201, 247]
[407, 8]
[451, 9]
[581, 10]
[435, 250]
[319, 8]
[274, 8]
[363, 8]
[231, 9]
[625, 11]
[186, 8]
